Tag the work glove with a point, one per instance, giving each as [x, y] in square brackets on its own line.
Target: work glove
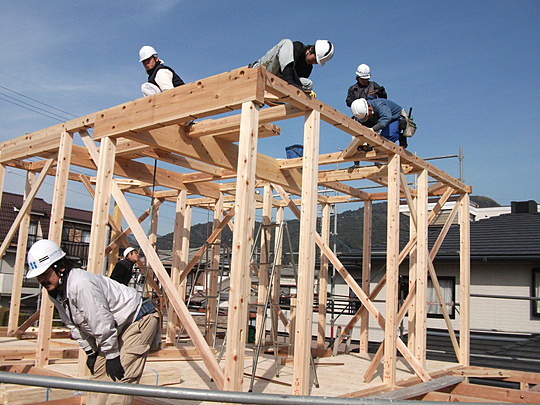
[310, 93]
[114, 368]
[91, 360]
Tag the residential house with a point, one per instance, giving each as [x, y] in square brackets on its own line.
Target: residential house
[75, 239]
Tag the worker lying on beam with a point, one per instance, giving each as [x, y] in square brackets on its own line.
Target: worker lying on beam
[160, 77]
[293, 61]
[383, 116]
[110, 321]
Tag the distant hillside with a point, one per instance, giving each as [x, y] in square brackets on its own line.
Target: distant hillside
[349, 230]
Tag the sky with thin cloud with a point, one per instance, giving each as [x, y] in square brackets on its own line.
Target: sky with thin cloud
[468, 69]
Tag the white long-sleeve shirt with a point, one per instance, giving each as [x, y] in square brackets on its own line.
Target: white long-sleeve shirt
[97, 309]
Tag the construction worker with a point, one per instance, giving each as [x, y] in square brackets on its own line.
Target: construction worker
[160, 77]
[293, 61]
[110, 321]
[364, 88]
[382, 116]
[123, 270]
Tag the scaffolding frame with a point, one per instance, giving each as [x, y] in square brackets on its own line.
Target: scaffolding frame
[215, 149]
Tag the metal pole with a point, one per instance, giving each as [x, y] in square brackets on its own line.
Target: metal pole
[173, 393]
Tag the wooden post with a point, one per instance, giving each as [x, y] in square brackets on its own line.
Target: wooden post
[422, 258]
[2, 179]
[306, 255]
[323, 279]
[278, 251]
[102, 200]
[392, 271]
[264, 258]
[184, 254]
[464, 280]
[55, 234]
[212, 278]
[411, 322]
[366, 272]
[242, 241]
[115, 251]
[20, 259]
[178, 234]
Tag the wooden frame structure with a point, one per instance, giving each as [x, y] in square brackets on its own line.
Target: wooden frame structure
[116, 141]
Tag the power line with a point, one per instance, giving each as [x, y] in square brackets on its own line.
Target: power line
[31, 109]
[37, 101]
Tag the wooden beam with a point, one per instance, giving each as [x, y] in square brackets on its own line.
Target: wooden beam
[240, 279]
[55, 234]
[366, 272]
[392, 271]
[464, 280]
[25, 207]
[323, 279]
[420, 327]
[213, 95]
[306, 256]
[20, 259]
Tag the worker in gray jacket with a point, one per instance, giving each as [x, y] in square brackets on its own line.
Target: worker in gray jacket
[110, 321]
[293, 61]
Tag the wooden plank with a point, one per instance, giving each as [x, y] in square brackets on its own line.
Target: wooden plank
[392, 271]
[366, 272]
[212, 278]
[420, 328]
[497, 394]
[263, 267]
[209, 96]
[323, 280]
[20, 260]
[240, 279]
[344, 188]
[102, 201]
[55, 234]
[420, 389]
[178, 233]
[464, 281]
[306, 256]
[25, 207]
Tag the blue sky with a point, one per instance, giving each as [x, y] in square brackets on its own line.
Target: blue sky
[469, 69]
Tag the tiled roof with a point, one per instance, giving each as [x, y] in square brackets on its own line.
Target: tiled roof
[516, 235]
[503, 236]
[11, 203]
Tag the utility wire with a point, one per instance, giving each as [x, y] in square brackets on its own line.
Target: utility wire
[32, 109]
[37, 101]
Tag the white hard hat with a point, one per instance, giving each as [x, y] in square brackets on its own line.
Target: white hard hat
[146, 52]
[128, 251]
[359, 108]
[363, 71]
[42, 255]
[324, 50]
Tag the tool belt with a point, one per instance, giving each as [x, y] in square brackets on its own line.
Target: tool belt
[147, 307]
[406, 124]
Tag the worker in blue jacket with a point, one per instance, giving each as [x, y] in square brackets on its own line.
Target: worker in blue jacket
[382, 116]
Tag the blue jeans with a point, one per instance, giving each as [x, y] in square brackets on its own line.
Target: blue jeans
[391, 131]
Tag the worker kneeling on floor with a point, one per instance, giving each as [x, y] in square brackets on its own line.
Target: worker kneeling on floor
[108, 319]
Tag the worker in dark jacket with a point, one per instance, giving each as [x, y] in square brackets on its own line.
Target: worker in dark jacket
[293, 61]
[381, 115]
[160, 77]
[364, 88]
[123, 271]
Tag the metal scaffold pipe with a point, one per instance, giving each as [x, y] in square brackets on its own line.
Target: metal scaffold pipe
[173, 393]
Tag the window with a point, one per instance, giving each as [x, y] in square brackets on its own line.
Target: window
[448, 288]
[433, 307]
[535, 293]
